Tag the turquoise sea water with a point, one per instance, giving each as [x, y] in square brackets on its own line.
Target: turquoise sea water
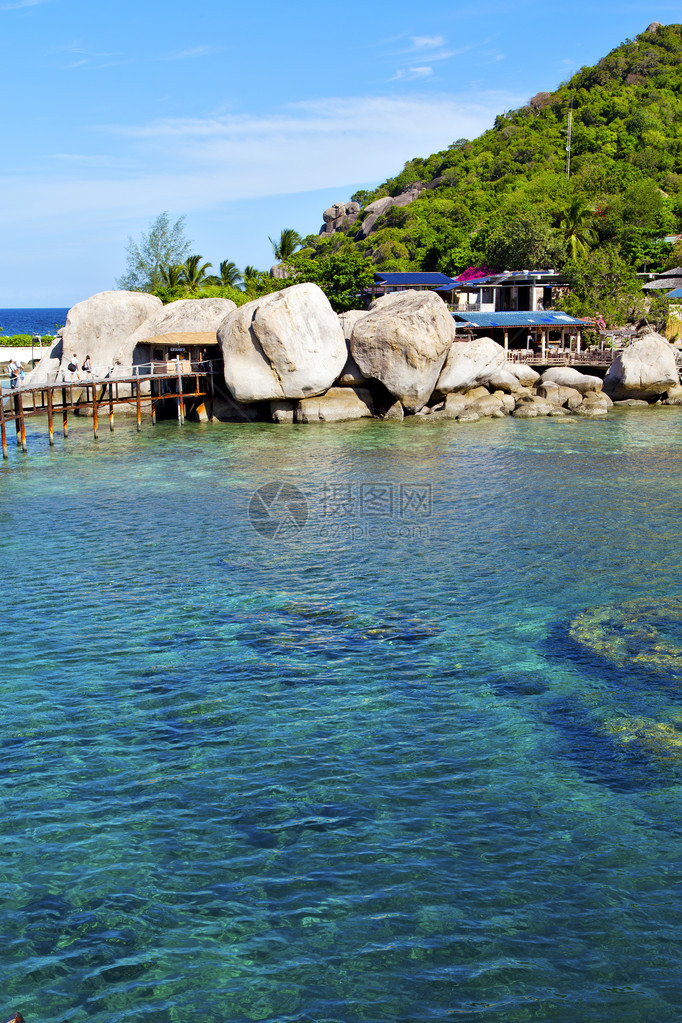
[355, 771]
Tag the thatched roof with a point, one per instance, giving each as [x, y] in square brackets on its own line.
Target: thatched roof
[184, 339]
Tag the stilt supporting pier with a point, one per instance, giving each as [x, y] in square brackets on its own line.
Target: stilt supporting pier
[181, 401]
[3, 429]
[17, 405]
[50, 418]
[22, 421]
[95, 421]
[19, 415]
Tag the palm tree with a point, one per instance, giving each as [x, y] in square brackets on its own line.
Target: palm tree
[194, 273]
[230, 276]
[172, 276]
[576, 227]
[289, 241]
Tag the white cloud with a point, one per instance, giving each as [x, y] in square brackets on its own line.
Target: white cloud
[427, 42]
[202, 163]
[18, 4]
[191, 53]
[410, 74]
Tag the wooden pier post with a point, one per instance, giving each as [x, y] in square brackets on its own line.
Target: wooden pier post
[3, 428]
[211, 397]
[21, 422]
[181, 401]
[65, 423]
[95, 419]
[50, 418]
[111, 408]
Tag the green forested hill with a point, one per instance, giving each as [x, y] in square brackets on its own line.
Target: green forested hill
[504, 199]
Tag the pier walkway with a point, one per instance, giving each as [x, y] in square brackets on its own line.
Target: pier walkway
[89, 396]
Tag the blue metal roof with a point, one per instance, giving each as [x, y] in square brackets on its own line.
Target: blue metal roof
[548, 318]
[428, 280]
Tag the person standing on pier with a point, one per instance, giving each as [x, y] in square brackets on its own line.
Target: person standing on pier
[87, 366]
[73, 367]
[13, 370]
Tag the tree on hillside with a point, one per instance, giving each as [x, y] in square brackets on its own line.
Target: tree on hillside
[576, 226]
[524, 242]
[342, 276]
[164, 245]
[194, 273]
[289, 240]
[602, 283]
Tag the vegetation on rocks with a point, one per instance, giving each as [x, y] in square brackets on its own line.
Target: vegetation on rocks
[506, 199]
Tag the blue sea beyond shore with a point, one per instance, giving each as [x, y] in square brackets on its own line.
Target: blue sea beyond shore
[31, 321]
[364, 755]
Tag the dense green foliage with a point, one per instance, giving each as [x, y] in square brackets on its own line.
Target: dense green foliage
[624, 190]
[24, 341]
[342, 276]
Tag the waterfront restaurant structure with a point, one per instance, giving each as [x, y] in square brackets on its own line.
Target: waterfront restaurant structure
[387, 283]
[540, 331]
[189, 347]
[510, 291]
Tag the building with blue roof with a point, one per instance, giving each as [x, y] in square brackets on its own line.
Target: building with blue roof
[386, 283]
[517, 329]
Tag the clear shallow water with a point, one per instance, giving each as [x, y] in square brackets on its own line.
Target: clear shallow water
[356, 772]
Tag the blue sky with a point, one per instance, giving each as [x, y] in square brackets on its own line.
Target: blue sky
[246, 119]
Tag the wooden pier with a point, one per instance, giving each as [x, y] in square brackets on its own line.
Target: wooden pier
[89, 397]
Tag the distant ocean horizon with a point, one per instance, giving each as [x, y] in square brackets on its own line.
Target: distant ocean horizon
[31, 321]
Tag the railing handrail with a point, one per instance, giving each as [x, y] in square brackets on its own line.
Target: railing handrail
[206, 366]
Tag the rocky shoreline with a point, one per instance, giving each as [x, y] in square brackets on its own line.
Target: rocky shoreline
[288, 358]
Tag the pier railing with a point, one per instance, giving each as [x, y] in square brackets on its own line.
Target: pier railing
[88, 395]
[562, 358]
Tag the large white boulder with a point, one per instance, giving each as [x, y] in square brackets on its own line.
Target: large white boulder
[349, 319]
[470, 363]
[566, 376]
[351, 374]
[338, 405]
[645, 369]
[524, 373]
[285, 345]
[99, 327]
[188, 315]
[403, 341]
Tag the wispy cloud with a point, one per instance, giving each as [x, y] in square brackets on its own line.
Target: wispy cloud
[95, 60]
[427, 42]
[192, 53]
[204, 162]
[18, 4]
[493, 59]
[82, 57]
[411, 74]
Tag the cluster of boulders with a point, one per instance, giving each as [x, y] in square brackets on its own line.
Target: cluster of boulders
[401, 357]
[341, 214]
[289, 358]
[109, 327]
